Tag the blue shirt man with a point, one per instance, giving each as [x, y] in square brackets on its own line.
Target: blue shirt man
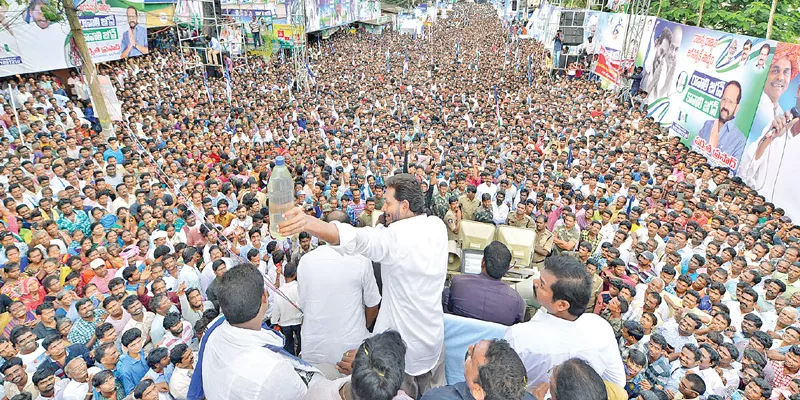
[728, 139]
[132, 366]
[139, 44]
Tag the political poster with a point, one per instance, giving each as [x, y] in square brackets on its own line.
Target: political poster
[545, 17]
[705, 86]
[287, 36]
[608, 31]
[368, 9]
[770, 161]
[32, 43]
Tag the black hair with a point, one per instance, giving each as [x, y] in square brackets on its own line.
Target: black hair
[497, 259]
[176, 354]
[696, 382]
[155, 356]
[17, 332]
[575, 379]
[108, 300]
[100, 377]
[43, 372]
[406, 188]
[49, 340]
[130, 336]
[290, 269]
[763, 338]
[129, 300]
[755, 319]
[634, 328]
[573, 284]
[141, 387]
[171, 320]
[101, 350]
[100, 330]
[379, 367]
[637, 357]
[240, 292]
[766, 389]
[503, 376]
[712, 354]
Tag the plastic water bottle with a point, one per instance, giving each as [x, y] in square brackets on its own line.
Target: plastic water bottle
[281, 195]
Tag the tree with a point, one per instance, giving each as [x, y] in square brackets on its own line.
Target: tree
[57, 11]
[744, 17]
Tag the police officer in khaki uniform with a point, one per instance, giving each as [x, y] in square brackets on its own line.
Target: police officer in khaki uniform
[453, 219]
[544, 242]
[519, 219]
[469, 203]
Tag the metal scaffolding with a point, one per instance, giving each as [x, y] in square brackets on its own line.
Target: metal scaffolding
[297, 19]
[206, 19]
[637, 18]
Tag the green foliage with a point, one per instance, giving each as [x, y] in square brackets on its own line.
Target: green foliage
[52, 10]
[745, 17]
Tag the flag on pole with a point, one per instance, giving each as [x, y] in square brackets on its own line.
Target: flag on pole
[458, 49]
[388, 64]
[208, 91]
[405, 63]
[311, 76]
[569, 157]
[530, 76]
[228, 90]
[477, 54]
[497, 106]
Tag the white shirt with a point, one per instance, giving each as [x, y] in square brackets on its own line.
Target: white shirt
[772, 174]
[713, 382]
[283, 313]
[483, 188]
[179, 383]
[413, 257]
[334, 289]
[74, 391]
[546, 341]
[500, 213]
[33, 360]
[237, 366]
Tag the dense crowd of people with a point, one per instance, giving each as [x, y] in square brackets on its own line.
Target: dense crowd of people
[141, 263]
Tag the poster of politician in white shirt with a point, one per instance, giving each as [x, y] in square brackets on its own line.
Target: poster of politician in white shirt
[770, 161]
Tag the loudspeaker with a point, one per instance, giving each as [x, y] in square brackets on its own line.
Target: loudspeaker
[453, 257]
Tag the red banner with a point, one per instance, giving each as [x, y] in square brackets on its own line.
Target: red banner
[607, 65]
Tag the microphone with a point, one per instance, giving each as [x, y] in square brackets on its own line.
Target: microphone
[795, 115]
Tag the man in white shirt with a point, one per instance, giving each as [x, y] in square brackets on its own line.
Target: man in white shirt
[78, 383]
[339, 298]
[285, 314]
[183, 360]
[412, 251]
[559, 334]
[486, 186]
[241, 360]
[500, 209]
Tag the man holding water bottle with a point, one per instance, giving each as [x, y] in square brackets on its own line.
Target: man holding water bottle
[412, 251]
